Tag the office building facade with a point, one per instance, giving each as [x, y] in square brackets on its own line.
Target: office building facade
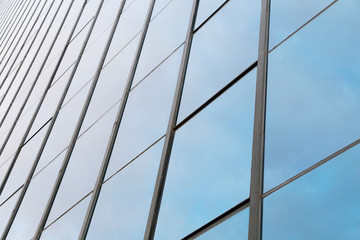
[179, 119]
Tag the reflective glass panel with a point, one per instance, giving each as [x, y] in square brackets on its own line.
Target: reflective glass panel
[220, 51]
[313, 93]
[125, 199]
[234, 228]
[323, 204]
[287, 16]
[209, 169]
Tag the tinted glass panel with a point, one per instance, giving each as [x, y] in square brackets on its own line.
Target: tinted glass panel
[210, 162]
[323, 204]
[313, 101]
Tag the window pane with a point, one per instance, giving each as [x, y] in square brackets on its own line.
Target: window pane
[209, 169]
[313, 101]
[221, 50]
[166, 32]
[146, 114]
[287, 16]
[206, 8]
[69, 225]
[323, 204]
[33, 205]
[124, 202]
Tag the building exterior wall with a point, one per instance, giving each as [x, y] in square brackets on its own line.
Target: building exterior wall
[179, 119]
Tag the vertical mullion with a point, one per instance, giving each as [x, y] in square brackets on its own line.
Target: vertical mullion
[73, 140]
[33, 168]
[257, 164]
[116, 126]
[170, 133]
[19, 40]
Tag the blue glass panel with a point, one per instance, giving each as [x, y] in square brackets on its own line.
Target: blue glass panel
[124, 202]
[313, 93]
[323, 204]
[209, 169]
[234, 228]
[287, 16]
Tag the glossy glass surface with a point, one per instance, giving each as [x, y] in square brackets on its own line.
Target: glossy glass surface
[33, 205]
[89, 150]
[5, 210]
[313, 100]
[221, 50]
[146, 113]
[323, 204]
[124, 202]
[210, 161]
[22, 165]
[166, 32]
[69, 225]
[287, 16]
[206, 8]
[236, 228]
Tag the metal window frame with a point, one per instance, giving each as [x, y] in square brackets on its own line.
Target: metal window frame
[257, 163]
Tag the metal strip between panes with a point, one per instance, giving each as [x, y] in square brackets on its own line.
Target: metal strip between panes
[257, 164]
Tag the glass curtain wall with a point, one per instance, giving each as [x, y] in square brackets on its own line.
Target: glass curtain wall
[179, 119]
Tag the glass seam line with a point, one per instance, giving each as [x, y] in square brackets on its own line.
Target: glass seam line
[170, 132]
[19, 40]
[218, 220]
[116, 126]
[257, 162]
[29, 93]
[313, 167]
[55, 188]
[13, 28]
[26, 184]
[302, 26]
[19, 68]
